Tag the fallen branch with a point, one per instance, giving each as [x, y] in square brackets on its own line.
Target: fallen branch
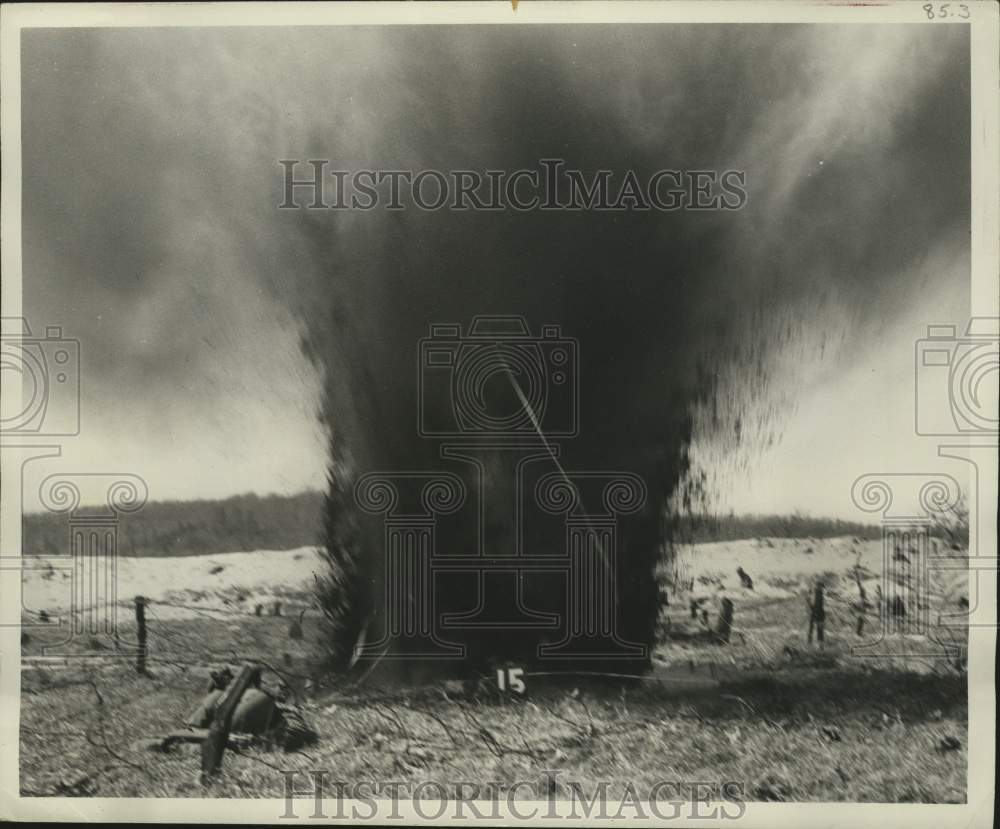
[497, 748]
[752, 710]
[394, 718]
[104, 737]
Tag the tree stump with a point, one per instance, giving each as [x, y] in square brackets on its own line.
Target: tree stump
[725, 629]
[817, 614]
[140, 624]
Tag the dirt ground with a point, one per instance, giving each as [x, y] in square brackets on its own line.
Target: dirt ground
[853, 719]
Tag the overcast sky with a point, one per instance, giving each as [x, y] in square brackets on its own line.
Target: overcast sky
[150, 230]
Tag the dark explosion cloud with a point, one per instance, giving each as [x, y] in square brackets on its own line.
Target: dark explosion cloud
[852, 176]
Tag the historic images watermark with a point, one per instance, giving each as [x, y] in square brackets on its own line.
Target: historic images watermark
[87, 569]
[517, 800]
[314, 184]
[46, 371]
[909, 559]
[955, 402]
[498, 400]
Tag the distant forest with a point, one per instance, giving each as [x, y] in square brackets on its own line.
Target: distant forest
[190, 528]
[278, 522]
[696, 529]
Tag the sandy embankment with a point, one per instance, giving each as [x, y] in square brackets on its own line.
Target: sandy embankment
[202, 582]
[779, 567]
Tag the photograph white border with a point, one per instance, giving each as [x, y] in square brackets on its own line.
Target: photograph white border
[985, 290]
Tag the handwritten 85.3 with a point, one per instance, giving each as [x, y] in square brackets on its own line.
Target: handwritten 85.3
[943, 10]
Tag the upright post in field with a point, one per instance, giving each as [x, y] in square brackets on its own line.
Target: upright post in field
[140, 623]
[218, 733]
[817, 614]
[725, 629]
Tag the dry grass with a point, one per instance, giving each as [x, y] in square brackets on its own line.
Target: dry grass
[768, 732]
[792, 721]
[772, 736]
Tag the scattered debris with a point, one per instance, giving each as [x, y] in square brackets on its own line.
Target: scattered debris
[949, 743]
[258, 716]
[454, 688]
[82, 787]
[817, 614]
[724, 630]
[773, 789]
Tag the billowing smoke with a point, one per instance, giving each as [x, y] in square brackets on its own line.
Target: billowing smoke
[853, 171]
[664, 305]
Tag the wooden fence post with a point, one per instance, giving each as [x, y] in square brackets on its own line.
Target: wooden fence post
[725, 628]
[214, 745]
[862, 604]
[140, 623]
[817, 614]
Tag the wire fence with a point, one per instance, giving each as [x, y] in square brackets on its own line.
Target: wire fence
[170, 642]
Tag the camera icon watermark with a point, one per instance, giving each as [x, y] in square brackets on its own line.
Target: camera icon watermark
[962, 371]
[498, 381]
[48, 370]
[537, 549]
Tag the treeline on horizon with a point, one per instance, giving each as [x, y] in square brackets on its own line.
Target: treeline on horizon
[244, 523]
[698, 529]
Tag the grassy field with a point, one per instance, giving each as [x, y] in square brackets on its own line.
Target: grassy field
[789, 720]
[809, 734]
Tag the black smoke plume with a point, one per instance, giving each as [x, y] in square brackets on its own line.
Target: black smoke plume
[162, 232]
[663, 304]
